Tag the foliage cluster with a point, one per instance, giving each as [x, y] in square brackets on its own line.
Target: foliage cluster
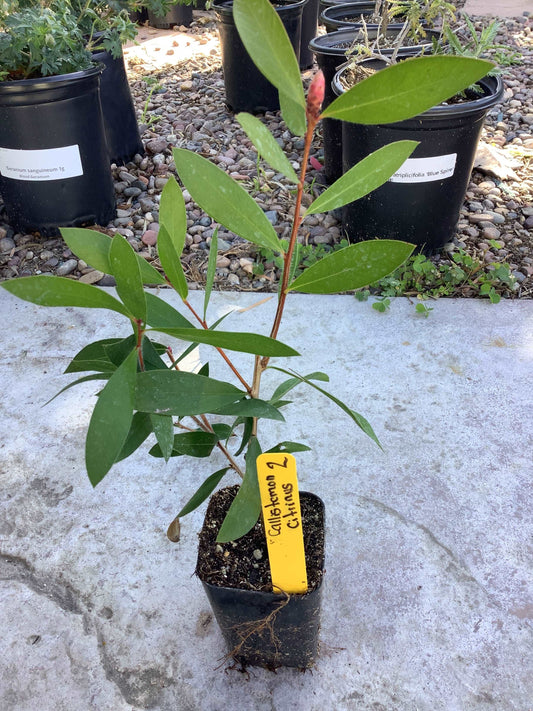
[145, 391]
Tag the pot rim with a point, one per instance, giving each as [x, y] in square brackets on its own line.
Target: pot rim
[225, 7]
[44, 83]
[324, 44]
[493, 85]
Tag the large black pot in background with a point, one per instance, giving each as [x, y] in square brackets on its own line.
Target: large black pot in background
[421, 202]
[177, 15]
[330, 51]
[54, 164]
[246, 88]
[309, 30]
[120, 120]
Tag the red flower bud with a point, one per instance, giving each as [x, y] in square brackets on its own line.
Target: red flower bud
[315, 95]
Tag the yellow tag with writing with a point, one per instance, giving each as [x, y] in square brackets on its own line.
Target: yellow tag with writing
[282, 517]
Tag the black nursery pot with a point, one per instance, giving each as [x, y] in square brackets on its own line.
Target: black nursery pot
[120, 121]
[338, 16]
[309, 30]
[262, 628]
[54, 164]
[421, 202]
[330, 51]
[246, 88]
[177, 15]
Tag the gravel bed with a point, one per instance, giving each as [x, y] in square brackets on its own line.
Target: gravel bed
[187, 110]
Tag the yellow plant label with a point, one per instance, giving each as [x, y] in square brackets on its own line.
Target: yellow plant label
[282, 517]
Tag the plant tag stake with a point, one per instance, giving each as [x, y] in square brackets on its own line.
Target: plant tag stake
[282, 517]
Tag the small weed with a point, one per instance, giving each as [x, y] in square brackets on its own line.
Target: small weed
[154, 86]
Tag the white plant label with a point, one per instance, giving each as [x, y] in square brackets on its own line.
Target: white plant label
[425, 170]
[41, 165]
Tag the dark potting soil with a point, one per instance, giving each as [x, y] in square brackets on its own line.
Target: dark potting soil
[244, 563]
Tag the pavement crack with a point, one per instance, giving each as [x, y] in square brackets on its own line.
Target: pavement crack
[458, 568]
[19, 569]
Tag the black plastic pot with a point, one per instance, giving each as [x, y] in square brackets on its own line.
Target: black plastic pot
[177, 15]
[309, 30]
[291, 637]
[330, 51]
[246, 88]
[120, 121]
[421, 202]
[348, 15]
[54, 163]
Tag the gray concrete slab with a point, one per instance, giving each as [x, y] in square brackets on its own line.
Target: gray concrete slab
[429, 586]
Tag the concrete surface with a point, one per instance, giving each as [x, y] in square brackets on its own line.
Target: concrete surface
[429, 587]
[498, 8]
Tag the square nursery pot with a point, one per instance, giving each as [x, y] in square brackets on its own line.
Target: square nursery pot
[262, 628]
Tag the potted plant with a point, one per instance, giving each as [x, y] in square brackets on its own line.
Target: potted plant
[52, 138]
[423, 200]
[145, 392]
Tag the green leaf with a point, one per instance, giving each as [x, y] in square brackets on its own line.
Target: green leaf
[120, 350]
[225, 200]
[246, 506]
[172, 233]
[85, 379]
[127, 273]
[152, 354]
[289, 447]
[111, 420]
[355, 416]
[192, 444]
[203, 492]
[288, 385]
[211, 269]
[160, 314]
[293, 114]
[94, 357]
[60, 291]
[266, 145]
[171, 392]
[365, 176]
[406, 89]
[164, 431]
[353, 267]
[233, 341]
[93, 247]
[253, 407]
[247, 432]
[222, 430]
[263, 34]
[140, 429]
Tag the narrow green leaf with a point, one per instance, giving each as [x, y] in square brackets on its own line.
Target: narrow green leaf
[140, 429]
[406, 89]
[353, 267]
[246, 434]
[152, 353]
[266, 145]
[205, 490]
[171, 236]
[60, 291]
[253, 407]
[288, 385]
[222, 430]
[191, 444]
[265, 38]
[94, 356]
[161, 314]
[365, 176]
[170, 261]
[359, 420]
[289, 447]
[164, 431]
[120, 350]
[233, 341]
[93, 247]
[171, 392]
[211, 269]
[84, 379]
[246, 506]
[111, 420]
[293, 114]
[225, 201]
[127, 273]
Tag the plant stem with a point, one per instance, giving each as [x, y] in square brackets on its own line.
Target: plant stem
[222, 353]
